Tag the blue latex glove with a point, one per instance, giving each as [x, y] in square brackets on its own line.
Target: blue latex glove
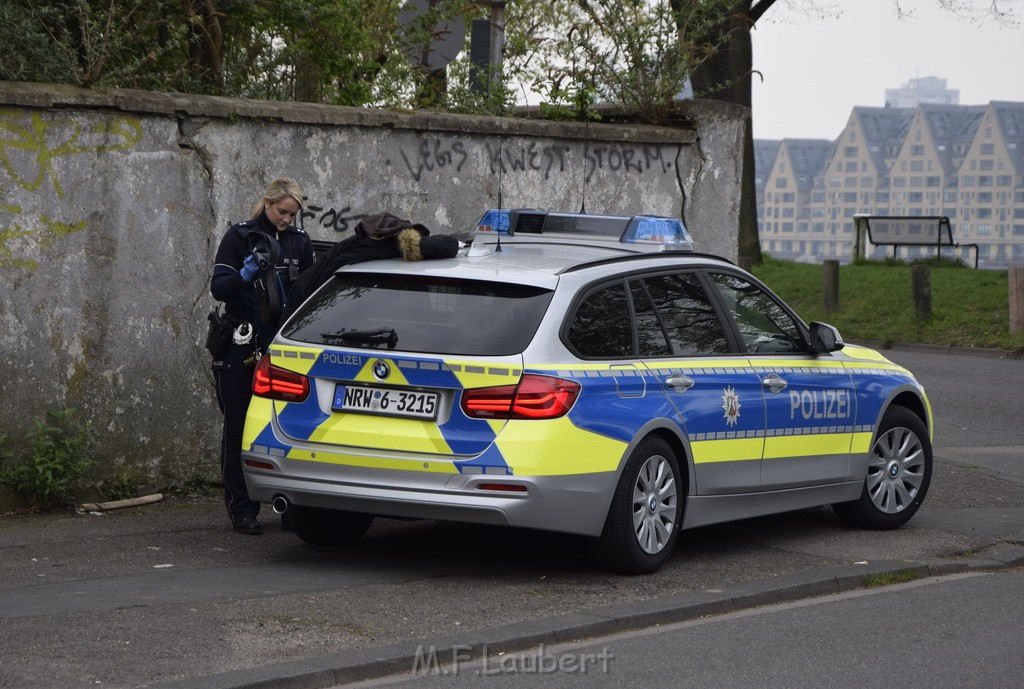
[249, 268]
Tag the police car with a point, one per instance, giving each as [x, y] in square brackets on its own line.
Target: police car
[578, 373]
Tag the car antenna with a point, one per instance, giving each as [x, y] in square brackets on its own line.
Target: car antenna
[586, 156]
[501, 165]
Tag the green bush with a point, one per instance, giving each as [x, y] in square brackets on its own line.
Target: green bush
[57, 459]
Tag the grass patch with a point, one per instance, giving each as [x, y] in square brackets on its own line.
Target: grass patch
[879, 580]
[970, 308]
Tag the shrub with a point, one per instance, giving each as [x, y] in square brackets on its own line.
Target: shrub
[57, 459]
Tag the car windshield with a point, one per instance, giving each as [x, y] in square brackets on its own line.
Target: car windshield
[421, 314]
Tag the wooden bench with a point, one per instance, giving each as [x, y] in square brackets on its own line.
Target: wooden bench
[905, 230]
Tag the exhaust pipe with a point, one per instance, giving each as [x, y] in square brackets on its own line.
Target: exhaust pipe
[279, 504]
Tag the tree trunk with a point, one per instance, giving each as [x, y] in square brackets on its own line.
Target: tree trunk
[206, 43]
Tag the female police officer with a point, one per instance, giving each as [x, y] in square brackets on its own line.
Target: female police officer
[256, 263]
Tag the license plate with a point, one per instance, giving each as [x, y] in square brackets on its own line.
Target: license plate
[409, 404]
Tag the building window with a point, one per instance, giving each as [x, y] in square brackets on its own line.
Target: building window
[916, 197]
[982, 214]
[781, 183]
[834, 181]
[917, 166]
[917, 149]
[917, 181]
[1004, 180]
[985, 180]
[899, 181]
[932, 181]
[984, 228]
[850, 182]
[851, 166]
[966, 181]
[851, 151]
[988, 149]
[987, 164]
[984, 197]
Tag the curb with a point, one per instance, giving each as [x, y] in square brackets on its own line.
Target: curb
[940, 349]
[478, 645]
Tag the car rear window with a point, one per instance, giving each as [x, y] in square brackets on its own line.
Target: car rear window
[426, 314]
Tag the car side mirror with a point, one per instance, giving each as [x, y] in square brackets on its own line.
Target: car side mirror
[825, 338]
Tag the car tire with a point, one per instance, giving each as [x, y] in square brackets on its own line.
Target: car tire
[898, 476]
[322, 527]
[645, 513]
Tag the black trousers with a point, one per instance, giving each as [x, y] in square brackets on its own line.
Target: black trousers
[233, 380]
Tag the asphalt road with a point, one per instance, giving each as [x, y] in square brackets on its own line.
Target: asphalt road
[168, 594]
[903, 635]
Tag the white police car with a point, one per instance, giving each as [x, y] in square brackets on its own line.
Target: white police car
[576, 373]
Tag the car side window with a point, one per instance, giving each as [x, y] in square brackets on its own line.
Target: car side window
[686, 314]
[763, 324]
[601, 326]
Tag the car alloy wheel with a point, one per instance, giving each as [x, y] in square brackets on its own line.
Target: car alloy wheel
[899, 471]
[645, 512]
[654, 504]
[895, 470]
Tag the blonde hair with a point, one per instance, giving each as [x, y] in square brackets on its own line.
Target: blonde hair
[278, 189]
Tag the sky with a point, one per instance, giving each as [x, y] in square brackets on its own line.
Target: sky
[808, 90]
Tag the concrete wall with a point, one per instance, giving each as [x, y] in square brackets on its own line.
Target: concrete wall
[112, 204]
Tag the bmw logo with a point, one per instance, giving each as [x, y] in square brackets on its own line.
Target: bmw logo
[894, 471]
[381, 369]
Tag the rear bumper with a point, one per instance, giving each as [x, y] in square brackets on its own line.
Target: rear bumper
[575, 504]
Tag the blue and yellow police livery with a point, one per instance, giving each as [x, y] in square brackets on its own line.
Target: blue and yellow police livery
[585, 374]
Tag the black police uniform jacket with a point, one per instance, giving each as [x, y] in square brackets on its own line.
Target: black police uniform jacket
[239, 296]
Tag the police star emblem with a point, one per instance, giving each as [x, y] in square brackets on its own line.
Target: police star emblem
[731, 405]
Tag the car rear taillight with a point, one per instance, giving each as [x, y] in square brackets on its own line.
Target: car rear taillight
[278, 383]
[535, 397]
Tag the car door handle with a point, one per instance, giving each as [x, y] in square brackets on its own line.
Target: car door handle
[679, 382]
[774, 382]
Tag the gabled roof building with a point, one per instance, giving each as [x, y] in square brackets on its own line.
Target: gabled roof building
[965, 162]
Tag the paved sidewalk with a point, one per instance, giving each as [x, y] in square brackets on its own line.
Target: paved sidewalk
[167, 594]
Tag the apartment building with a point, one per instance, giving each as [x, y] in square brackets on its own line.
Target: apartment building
[921, 90]
[965, 162]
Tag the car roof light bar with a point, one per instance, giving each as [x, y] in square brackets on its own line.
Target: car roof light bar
[668, 232]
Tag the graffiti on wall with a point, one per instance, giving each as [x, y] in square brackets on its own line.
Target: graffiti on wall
[30, 143]
[334, 219]
[546, 159]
